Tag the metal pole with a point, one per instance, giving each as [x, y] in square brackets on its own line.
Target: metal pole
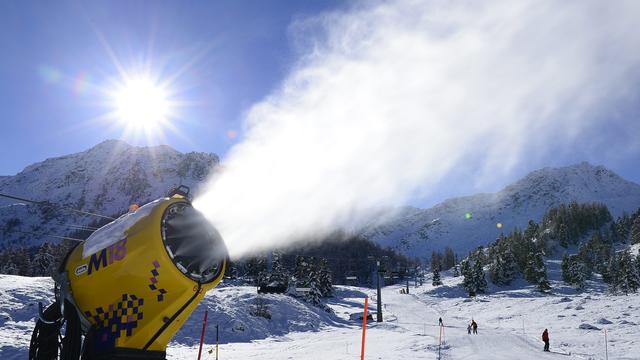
[364, 326]
[379, 299]
[439, 342]
[217, 341]
[204, 325]
[606, 351]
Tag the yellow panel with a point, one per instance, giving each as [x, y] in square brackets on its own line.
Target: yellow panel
[129, 288]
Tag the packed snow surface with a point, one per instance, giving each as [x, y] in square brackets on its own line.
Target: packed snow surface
[511, 321]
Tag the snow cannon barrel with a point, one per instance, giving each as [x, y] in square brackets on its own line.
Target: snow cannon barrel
[136, 280]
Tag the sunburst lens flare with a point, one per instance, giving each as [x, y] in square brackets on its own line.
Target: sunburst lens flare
[141, 104]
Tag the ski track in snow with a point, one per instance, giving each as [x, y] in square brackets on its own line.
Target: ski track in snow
[410, 330]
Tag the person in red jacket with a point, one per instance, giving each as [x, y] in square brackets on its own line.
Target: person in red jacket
[545, 338]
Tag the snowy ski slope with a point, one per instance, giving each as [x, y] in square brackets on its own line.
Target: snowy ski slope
[410, 330]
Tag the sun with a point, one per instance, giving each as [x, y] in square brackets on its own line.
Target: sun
[141, 105]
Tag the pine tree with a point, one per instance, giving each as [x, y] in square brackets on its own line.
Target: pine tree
[43, 261]
[436, 277]
[496, 270]
[456, 270]
[467, 273]
[449, 259]
[563, 235]
[610, 276]
[279, 276]
[509, 267]
[503, 268]
[536, 271]
[255, 268]
[325, 279]
[580, 273]
[315, 293]
[9, 268]
[635, 231]
[532, 231]
[628, 280]
[623, 227]
[301, 271]
[574, 271]
[479, 281]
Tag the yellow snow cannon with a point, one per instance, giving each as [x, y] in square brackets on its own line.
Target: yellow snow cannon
[136, 280]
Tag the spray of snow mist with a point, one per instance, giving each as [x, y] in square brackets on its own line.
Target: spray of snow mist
[388, 98]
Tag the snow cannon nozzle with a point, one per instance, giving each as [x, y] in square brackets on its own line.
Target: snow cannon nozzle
[182, 190]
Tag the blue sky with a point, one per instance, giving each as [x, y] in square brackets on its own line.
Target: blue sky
[55, 61]
[59, 57]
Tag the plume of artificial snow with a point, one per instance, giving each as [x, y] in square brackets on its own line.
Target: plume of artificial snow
[390, 97]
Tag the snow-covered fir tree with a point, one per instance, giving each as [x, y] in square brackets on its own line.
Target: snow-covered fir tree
[536, 271]
[279, 276]
[436, 277]
[43, 261]
[325, 279]
[314, 295]
[256, 269]
[503, 269]
[467, 281]
[9, 268]
[628, 280]
[574, 271]
[610, 276]
[301, 270]
[635, 231]
[479, 281]
[456, 270]
[563, 235]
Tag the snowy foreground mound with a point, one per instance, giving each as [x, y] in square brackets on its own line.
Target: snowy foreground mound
[576, 324]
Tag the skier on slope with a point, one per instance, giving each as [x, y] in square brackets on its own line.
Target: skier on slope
[474, 325]
[545, 338]
[469, 329]
[440, 322]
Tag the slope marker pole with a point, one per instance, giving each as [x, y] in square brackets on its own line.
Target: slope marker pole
[439, 342]
[364, 326]
[217, 340]
[606, 351]
[204, 324]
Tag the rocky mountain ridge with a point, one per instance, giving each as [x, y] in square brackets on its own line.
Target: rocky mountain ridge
[467, 222]
[105, 179]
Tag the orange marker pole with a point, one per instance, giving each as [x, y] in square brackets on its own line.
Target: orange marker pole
[364, 325]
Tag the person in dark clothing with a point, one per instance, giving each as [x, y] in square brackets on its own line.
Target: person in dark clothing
[545, 338]
[469, 329]
[474, 325]
[440, 322]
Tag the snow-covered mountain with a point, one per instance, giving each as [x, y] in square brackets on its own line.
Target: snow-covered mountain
[105, 179]
[467, 222]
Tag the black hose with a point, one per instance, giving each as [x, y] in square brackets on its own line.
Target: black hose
[72, 340]
[46, 340]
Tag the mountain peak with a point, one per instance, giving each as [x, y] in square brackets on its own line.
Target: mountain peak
[491, 214]
[104, 179]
